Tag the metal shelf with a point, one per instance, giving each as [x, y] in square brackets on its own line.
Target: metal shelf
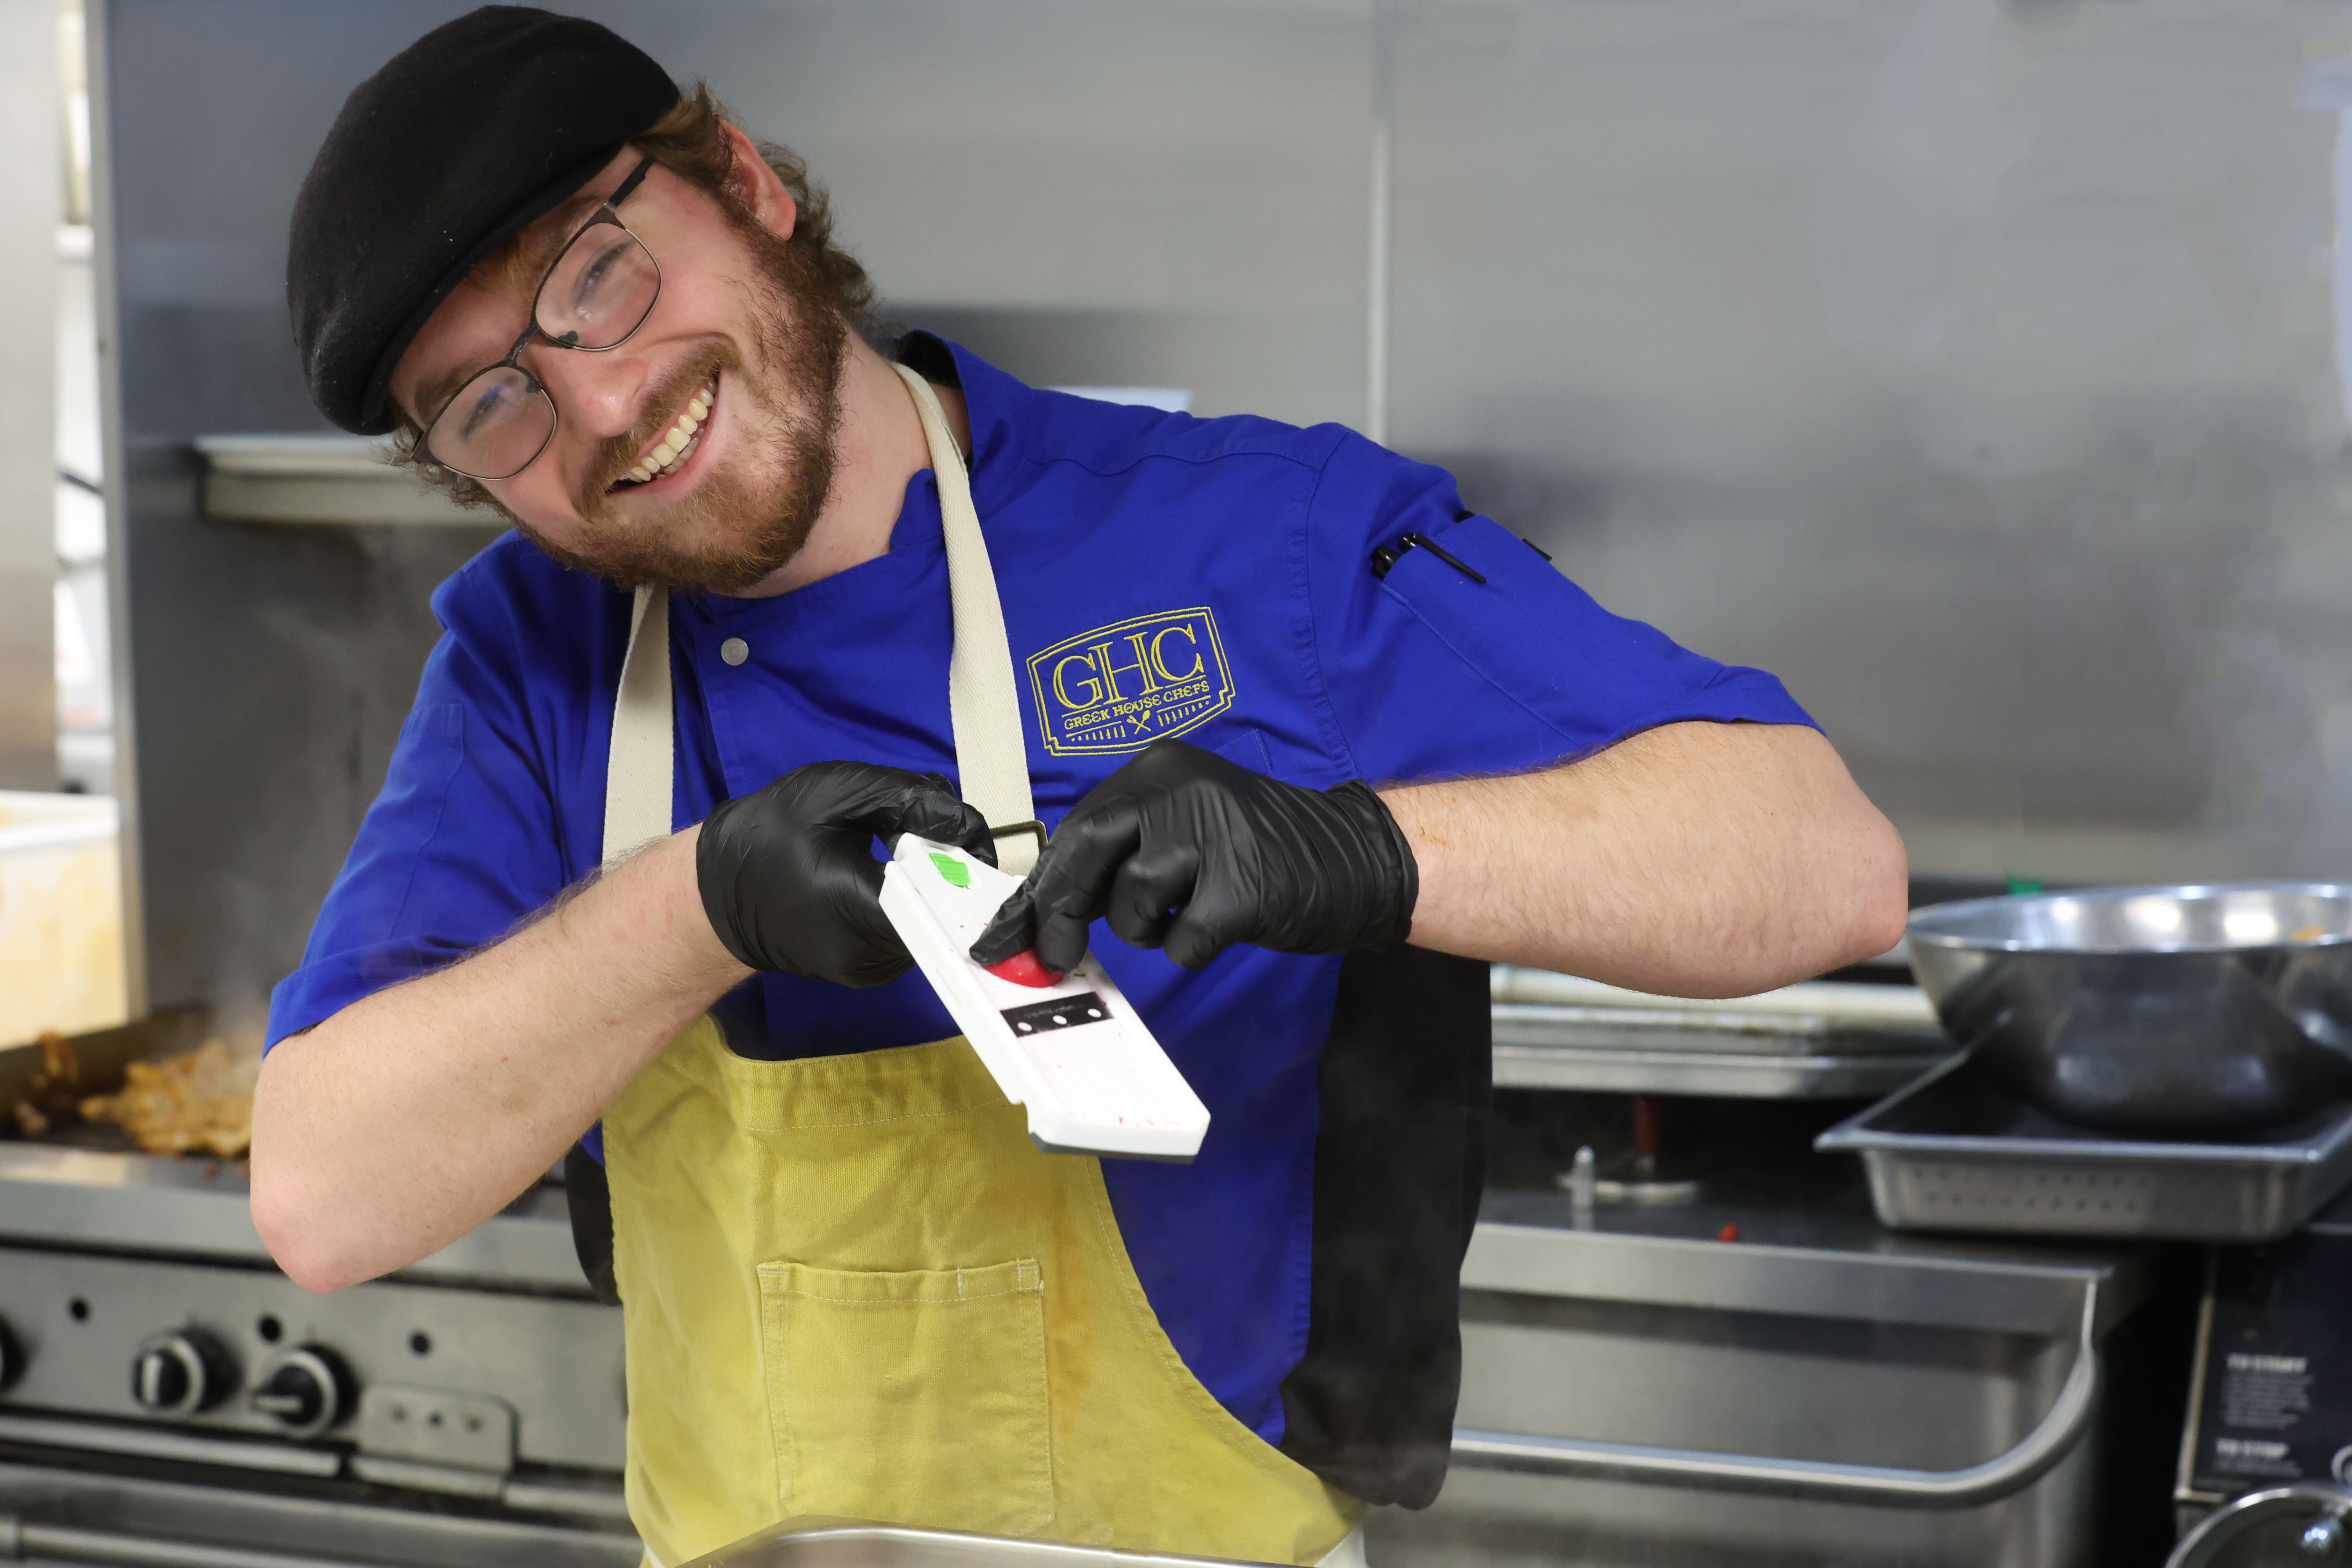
[321, 479]
[1813, 1041]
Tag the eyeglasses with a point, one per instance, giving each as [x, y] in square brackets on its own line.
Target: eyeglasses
[598, 292]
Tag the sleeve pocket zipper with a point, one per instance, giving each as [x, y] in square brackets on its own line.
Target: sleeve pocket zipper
[1388, 555]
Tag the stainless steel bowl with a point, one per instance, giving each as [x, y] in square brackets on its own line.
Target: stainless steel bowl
[2151, 1010]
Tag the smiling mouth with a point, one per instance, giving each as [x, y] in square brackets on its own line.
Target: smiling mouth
[676, 446]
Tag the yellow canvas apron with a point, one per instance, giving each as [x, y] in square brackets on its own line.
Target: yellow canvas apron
[852, 1288]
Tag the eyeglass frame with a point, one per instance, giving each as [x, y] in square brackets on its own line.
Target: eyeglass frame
[607, 211]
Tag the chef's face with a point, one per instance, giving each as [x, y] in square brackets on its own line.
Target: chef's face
[741, 330]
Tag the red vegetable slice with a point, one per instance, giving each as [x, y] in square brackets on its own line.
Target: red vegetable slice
[1023, 969]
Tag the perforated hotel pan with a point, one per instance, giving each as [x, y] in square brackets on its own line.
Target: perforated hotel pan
[1952, 1152]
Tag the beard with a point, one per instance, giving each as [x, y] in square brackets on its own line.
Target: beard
[745, 520]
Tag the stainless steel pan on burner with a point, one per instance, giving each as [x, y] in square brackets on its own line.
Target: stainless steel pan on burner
[2180, 1009]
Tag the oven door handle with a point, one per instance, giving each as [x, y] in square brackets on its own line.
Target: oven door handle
[23, 1538]
[2049, 1441]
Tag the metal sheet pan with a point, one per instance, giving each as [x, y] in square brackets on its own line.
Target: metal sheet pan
[847, 1543]
[1897, 1007]
[1951, 1152]
[1816, 1041]
[1544, 1061]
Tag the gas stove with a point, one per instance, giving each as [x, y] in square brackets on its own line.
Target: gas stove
[160, 1378]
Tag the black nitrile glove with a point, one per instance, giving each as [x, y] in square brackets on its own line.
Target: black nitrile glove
[789, 877]
[1185, 850]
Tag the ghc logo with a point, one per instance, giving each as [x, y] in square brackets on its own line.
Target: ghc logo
[1118, 688]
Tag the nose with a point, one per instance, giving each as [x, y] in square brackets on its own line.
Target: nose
[599, 395]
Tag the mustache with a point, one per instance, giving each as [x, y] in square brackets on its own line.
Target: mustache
[616, 455]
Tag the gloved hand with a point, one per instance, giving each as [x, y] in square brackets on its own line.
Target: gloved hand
[787, 875]
[1185, 850]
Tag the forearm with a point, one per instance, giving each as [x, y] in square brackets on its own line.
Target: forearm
[1694, 860]
[415, 1114]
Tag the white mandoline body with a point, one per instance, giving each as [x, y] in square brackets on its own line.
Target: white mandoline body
[1092, 1078]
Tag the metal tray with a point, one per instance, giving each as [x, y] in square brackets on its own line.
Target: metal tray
[841, 1543]
[1816, 1041]
[1952, 1152]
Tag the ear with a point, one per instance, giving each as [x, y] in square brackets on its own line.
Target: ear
[757, 185]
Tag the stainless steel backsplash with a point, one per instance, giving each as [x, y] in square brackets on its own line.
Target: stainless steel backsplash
[1973, 365]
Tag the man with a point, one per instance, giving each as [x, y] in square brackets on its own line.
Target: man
[1313, 742]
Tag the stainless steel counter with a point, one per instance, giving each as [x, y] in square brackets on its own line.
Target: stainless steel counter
[1797, 1264]
[1643, 1394]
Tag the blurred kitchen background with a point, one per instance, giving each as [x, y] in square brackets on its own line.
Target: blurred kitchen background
[1978, 365]
[1982, 367]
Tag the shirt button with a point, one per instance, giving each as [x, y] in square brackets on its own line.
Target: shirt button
[734, 650]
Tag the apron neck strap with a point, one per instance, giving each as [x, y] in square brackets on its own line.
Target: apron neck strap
[638, 778]
[984, 703]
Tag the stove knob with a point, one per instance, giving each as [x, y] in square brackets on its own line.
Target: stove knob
[181, 1373]
[12, 1356]
[305, 1390]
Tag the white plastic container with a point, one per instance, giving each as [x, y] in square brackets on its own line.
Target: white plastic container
[1074, 1053]
[60, 916]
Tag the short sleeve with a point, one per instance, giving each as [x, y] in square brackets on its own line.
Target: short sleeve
[459, 847]
[1430, 672]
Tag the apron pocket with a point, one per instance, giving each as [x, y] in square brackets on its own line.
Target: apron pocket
[914, 1397]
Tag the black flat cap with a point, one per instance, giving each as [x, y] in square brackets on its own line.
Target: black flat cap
[445, 154]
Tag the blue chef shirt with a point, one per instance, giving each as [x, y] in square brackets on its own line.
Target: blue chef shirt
[1160, 575]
